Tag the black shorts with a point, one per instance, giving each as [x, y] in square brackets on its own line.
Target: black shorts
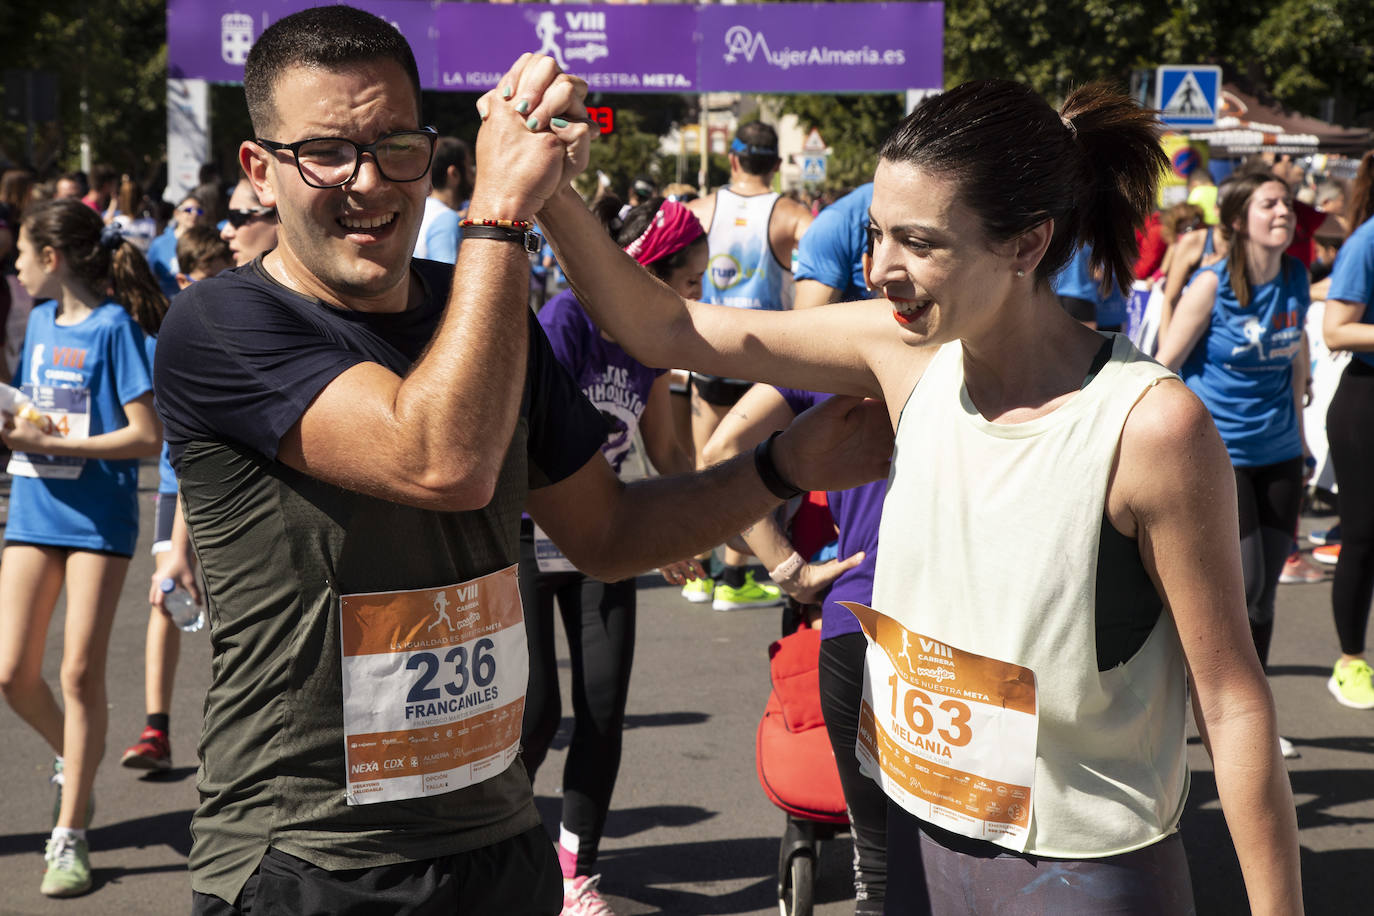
[166, 515]
[518, 876]
[722, 392]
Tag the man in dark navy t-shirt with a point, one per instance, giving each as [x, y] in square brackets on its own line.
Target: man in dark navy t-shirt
[356, 435]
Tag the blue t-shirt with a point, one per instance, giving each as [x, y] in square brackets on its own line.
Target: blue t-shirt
[440, 235]
[1077, 282]
[162, 258]
[831, 251]
[615, 382]
[857, 513]
[1242, 366]
[1352, 277]
[95, 367]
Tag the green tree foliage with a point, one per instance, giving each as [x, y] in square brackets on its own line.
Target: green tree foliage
[1300, 52]
[113, 50]
[623, 154]
[1311, 50]
[853, 126]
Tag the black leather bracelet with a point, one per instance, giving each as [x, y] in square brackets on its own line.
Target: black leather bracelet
[530, 241]
[778, 485]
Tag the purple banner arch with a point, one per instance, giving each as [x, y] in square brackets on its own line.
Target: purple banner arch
[787, 47]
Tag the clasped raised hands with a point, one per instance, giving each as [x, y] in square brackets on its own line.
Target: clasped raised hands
[535, 137]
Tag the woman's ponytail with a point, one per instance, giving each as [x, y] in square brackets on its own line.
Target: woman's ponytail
[135, 288]
[1122, 165]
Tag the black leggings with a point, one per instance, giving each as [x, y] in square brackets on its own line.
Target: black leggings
[1269, 499]
[599, 618]
[1348, 430]
[841, 672]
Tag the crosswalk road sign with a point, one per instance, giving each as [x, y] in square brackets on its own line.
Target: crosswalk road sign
[1187, 96]
[813, 168]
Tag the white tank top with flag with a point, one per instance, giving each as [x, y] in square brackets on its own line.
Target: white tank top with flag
[743, 272]
[986, 583]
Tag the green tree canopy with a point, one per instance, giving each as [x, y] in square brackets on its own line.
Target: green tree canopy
[112, 51]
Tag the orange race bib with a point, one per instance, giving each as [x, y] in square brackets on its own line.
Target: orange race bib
[434, 684]
[949, 735]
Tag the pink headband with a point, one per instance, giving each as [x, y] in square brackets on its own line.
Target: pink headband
[672, 229]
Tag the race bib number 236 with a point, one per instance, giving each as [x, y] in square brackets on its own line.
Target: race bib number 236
[949, 735]
[434, 686]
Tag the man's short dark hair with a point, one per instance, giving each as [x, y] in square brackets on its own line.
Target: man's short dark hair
[759, 155]
[452, 151]
[329, 37]
[199, 246]
[79, 179]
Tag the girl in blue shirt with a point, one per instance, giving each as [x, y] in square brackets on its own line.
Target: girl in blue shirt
[1237, 340]
[73, 502]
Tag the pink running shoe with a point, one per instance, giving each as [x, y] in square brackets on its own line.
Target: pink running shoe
[581, 899]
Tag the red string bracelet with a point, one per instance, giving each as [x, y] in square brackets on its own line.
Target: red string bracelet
[521, 224]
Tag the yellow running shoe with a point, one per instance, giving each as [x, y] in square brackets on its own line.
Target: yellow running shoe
[1352, 684]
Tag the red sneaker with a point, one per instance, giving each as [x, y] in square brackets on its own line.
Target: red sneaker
[1297, 571]
[1327, 555]
[152, 752]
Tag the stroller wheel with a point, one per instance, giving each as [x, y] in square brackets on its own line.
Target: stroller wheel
[799, 885]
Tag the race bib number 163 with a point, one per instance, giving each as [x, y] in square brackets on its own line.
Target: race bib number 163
[949, 735]
[434, 686]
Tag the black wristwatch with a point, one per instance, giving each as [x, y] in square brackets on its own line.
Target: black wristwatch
[526, 238]
[778, 485]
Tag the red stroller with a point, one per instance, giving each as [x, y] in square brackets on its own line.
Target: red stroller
[797, 767]
[795, 764]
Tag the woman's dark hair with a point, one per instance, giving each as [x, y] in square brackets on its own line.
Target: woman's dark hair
[1092, 167]
[625, 229]
[1235, 207]
[14, 190]
[1362, 192]
[98, 257]
[328, 37]
[213, 201]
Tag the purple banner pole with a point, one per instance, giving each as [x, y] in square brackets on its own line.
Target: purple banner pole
[467, 47]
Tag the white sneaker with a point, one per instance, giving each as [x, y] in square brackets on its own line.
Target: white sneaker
[1287, 750]
[581, 899]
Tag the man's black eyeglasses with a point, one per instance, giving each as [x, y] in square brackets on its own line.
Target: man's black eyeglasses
[240, 218]
[331, 162]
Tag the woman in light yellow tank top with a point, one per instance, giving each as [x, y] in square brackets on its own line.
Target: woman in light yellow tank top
[1029, 449]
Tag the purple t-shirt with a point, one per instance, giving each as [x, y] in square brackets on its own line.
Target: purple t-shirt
[613, 380]
[856, 513]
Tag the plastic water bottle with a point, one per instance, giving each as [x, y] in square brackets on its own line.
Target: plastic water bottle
[182, 608]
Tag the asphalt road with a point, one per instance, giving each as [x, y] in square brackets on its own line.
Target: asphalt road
[691, 832]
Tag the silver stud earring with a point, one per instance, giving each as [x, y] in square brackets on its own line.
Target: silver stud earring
[1020, 273]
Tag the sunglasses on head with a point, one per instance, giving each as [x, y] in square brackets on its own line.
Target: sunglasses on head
[240, 218]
